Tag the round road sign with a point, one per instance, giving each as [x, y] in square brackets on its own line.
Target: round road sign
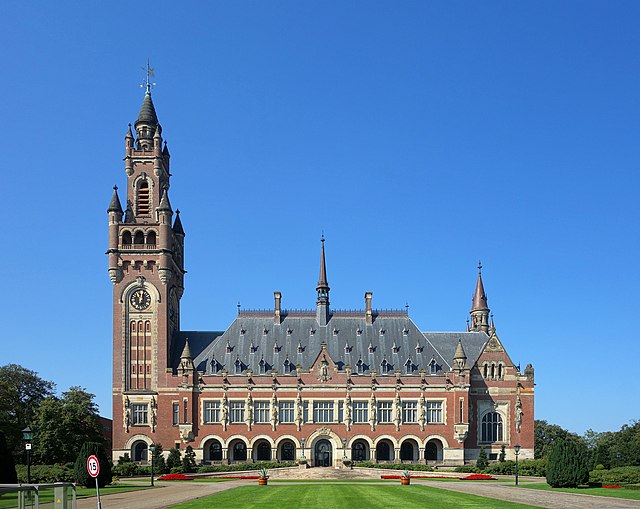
[93, 466]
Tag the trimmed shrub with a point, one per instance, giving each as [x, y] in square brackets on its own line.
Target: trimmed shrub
[81, 475]
[618, 475]
[395, 466]
[467, 469]
[567, 466]
[237, 467]
[124, 459]
[127, 469]
[159, 464]
[174, 459]
[504, 468]
[503, 454]
[45, 474]
[189, 460]
[482, 462]
[536, 468]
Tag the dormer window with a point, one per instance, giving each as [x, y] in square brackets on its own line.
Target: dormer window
[238, 367]
[433, 366]
[408, 366]
[359, 332]
[394, 348]
[215, 365]
[371, 348]
[287, 365]
[289, 332]
[229, 347]
[347, 348]
[360, 366]
[382, 331]
[276, 348]
[405, 332]
[385, 367]
[265, 331]
[418, 348]
[262, 366]
[300, 349]
[335, 332]
[252, 347]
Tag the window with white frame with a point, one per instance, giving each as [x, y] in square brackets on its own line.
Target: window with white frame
[491, 428]
[323, 411]
[385, 411]
[360, 411]
[434, 411]
[236, 411]
[140, 413]
[286, 411]
[176, 414]
[261, 411]
[211, 411]
[409, 412]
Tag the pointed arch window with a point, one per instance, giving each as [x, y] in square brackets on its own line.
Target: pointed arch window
[287, 365]
[408, 366]
[143, 198]
[238, 366]
[433, 366]
[360, 367]
[384, 366]
[492, 428]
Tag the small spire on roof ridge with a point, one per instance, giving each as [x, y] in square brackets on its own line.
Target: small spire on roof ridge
[129, 132]
[178, 229]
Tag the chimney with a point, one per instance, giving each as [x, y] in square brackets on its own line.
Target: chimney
[368, 311]
[277, 296]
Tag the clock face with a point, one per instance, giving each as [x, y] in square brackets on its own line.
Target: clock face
[140, 299]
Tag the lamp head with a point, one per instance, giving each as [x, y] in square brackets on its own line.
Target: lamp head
[516, 448]
[27, 434]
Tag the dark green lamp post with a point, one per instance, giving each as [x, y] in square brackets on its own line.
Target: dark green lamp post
[27, 436]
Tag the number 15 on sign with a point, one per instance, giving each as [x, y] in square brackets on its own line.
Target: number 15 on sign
[93, 467]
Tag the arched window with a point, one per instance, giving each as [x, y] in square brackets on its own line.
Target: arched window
[138, 239]
[383, 451]
[485, 370]
[126, 238]
[151, 239]
[139, 451]
[215, 451]
[406, 451]
[500, 371]
[359, 451]
[239, 451]
[288, 451]
[491, 427]
[493, 370]
[143, 198]
[263, 452]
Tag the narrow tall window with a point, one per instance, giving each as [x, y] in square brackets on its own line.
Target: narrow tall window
[176, 413]
[143, 198]
[184, 411]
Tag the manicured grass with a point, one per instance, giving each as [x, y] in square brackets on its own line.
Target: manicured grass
[46, 496]
[602, 492]
[338, 496]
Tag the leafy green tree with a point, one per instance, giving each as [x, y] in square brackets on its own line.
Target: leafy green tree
[624, 449]
[174, 460]
[482, 461]
[159, 464]
[503, 454]
[80, 468]
[545, 435]
[568, 464]
[63, 424]
[8, 473]
[21, 392]
[189, 460]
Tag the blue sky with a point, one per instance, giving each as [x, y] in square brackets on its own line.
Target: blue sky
[420, 136]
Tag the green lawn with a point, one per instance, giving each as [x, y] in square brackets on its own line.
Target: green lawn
[46, 496]
[339, 496]
[602, 492]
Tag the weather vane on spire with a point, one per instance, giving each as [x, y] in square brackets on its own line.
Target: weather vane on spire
[150, 74]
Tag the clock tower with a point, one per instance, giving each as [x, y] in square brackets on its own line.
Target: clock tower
[146, 267]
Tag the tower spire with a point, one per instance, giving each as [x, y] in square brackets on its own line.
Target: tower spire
[479, 307]
[322, 303]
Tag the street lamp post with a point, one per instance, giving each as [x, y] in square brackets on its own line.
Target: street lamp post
[152, 450]
[516, 449]
[27, 436]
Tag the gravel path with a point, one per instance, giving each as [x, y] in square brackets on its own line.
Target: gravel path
[164, 495]
[539, 498]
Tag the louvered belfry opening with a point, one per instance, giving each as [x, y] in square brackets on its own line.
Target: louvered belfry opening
[143, 198]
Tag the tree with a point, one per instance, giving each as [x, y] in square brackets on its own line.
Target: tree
[545, 435]
[80, 468]
[7, 466]
[62, 425]
[174, 460]
[482, 461]
[503, 454]
[568, 464]
[189, 460]
[21, 392]
[157, 457]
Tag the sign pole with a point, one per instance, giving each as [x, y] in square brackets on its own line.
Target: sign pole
[93, 467]
[98, 493]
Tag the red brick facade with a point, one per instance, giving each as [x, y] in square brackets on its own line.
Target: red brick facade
[321, 385]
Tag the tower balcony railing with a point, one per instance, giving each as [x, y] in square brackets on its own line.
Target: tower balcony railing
[138, 246]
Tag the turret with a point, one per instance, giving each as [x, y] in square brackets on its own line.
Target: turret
[115, 219]
[147, 122]
[479, 308]
[166, 237]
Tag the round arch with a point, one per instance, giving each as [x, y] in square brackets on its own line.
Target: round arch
[258, 438]
[409, 449]
[237, 450]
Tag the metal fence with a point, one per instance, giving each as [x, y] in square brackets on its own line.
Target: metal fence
[33, 495]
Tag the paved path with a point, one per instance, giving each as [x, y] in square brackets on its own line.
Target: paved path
[538, 498]
[164, 495]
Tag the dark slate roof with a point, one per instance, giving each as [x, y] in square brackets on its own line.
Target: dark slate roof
[147, 111]
[256, 343]
[114, 205]
[198, 341]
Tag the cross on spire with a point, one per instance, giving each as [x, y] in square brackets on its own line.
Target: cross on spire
[150, 74]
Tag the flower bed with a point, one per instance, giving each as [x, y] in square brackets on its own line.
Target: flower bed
[175, 477]
[413, 476]
[613, 486]
[478, 477]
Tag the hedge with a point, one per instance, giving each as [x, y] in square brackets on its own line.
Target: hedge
[617, 475]
[46, 474]
[395, 466]
[236, 467]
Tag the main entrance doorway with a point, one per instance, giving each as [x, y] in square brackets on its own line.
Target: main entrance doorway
[323, 453]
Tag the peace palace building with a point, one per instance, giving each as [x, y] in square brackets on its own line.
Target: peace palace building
[321, 385]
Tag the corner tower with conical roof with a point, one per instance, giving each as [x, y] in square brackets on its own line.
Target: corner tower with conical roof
[479, 308]
[146, 247]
